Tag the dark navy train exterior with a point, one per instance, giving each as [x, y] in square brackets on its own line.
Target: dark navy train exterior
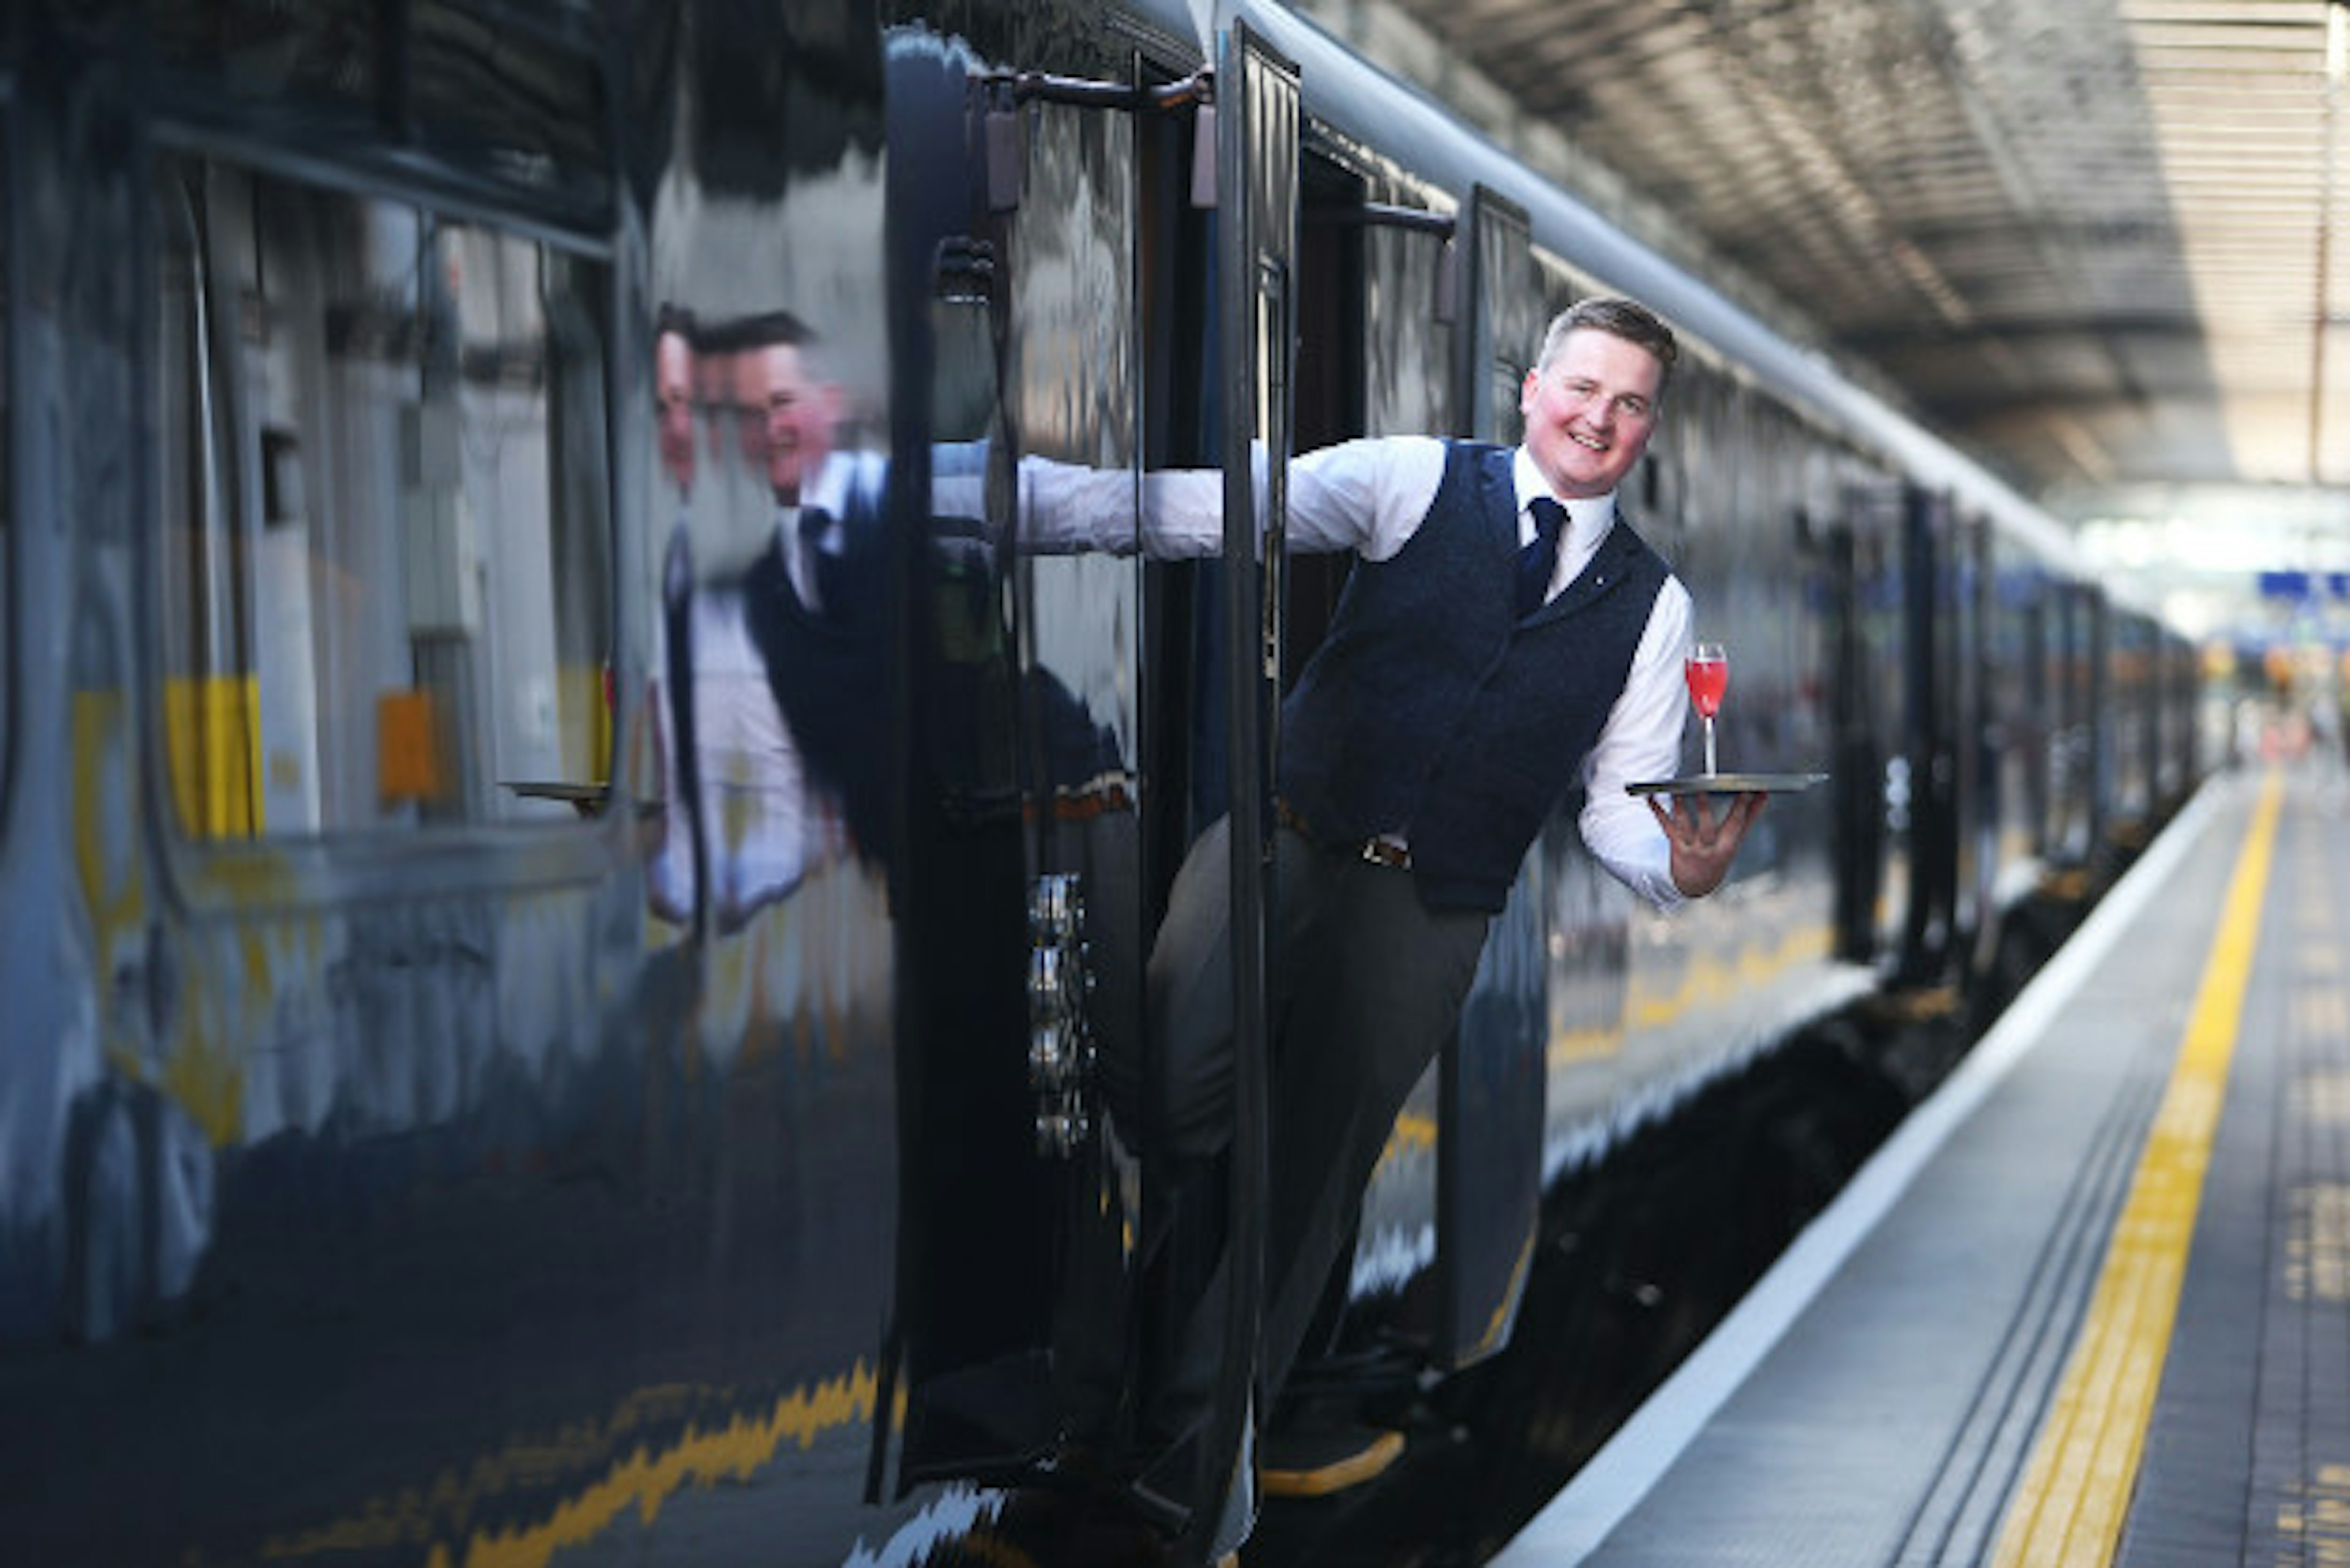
[573, 890]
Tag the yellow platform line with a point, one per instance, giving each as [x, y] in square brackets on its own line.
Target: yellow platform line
[2069, 1509]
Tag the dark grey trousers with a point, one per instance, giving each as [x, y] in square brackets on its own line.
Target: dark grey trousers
[1366, 985]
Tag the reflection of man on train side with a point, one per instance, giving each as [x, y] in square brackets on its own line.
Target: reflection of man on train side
[760, 817]
[673, 399]
[816, 602]
[674, 874]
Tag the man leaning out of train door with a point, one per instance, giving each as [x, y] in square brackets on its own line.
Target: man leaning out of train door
[1506, 637]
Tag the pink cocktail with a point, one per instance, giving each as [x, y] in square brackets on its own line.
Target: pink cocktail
[1708, 671]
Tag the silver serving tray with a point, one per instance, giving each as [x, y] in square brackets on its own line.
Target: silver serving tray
[1728, 783]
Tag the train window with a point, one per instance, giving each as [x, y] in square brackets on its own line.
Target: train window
[323, 52]
[517, 85]
[384, 556]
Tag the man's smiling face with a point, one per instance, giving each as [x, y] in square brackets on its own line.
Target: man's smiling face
[1589, 411]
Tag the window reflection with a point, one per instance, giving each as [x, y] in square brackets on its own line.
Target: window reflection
[385, 557]
[769, 683]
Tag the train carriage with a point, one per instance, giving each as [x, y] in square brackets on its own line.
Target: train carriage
[577, 876]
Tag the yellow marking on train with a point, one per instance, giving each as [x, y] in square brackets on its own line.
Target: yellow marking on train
[112, 871]
[208, 1083]
[735, 1453]
[1498, 1322]
[1709, 979]
[1414, 1132]
[108, 868]
[1570, 1045]
[642, 1479]
[2069, 1510]
[585, 727]
[212, 738]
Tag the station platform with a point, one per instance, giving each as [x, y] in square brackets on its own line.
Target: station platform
[2090, 1303]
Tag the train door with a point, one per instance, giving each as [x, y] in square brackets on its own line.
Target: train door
[1025, 201]
[1855, 834]
[2181, 731]
[2097, 698]
[2025, 721]
[1388, 289]
[1071, 380]
[2075, 764]
[1011, 225]
[1492, 1073]
[1873, 766]
[1255, 251]
[2132, 714]
[2062, 809]
[2014, 718]
[1975, 763]
[1930, 660]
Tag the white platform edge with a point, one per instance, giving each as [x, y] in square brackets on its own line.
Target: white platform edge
[1612, 1483]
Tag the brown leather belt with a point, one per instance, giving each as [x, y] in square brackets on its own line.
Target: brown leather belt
[1373, 851]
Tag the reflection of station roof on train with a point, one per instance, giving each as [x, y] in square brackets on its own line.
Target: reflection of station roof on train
[2088, 240]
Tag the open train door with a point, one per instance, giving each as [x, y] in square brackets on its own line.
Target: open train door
[1012, 230]
[1256, 246]
[1016, 207]
[1491, 1074]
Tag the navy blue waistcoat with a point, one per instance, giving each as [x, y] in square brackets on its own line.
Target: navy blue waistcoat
[1430, 709]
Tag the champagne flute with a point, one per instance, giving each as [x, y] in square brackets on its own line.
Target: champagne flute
[1707, 669]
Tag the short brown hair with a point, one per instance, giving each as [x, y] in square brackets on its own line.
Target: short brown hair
[1619, 317]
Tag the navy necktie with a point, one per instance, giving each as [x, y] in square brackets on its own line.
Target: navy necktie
[1540, 558]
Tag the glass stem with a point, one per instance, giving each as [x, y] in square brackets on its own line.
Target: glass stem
[1708, 744]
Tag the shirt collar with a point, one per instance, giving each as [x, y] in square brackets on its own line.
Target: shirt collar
[820, 490]
[1588, 519]
[834, 486]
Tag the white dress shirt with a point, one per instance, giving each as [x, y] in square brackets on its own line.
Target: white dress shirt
[848, 482]
[1370, 496]
[766, 824]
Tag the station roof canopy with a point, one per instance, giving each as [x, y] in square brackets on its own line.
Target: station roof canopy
[2102, 245]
